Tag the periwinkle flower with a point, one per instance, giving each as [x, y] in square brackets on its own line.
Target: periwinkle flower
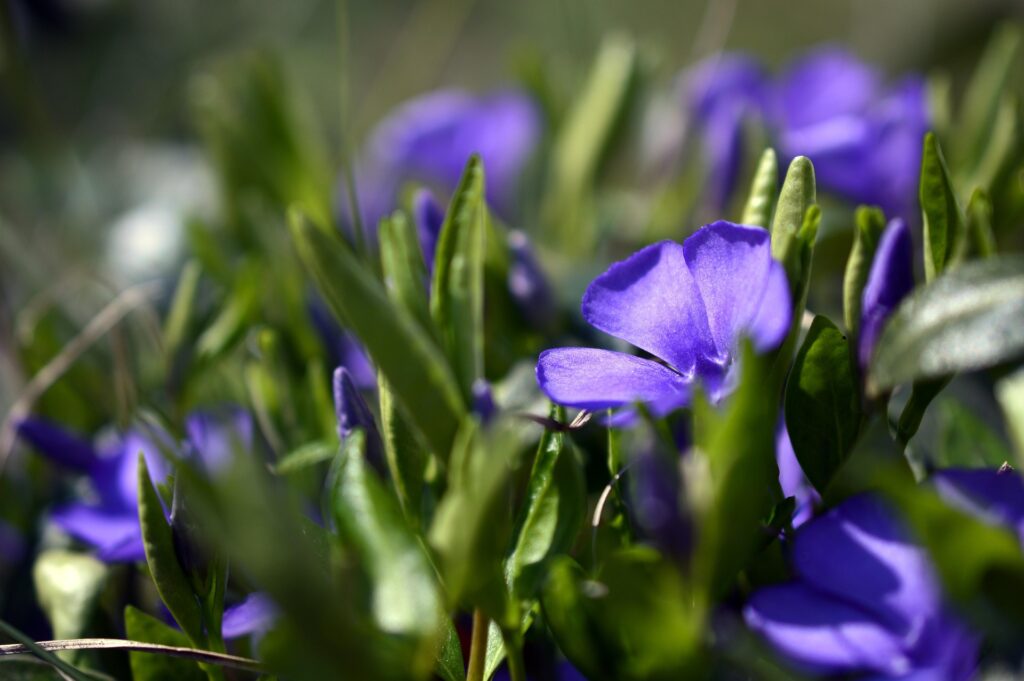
[527, 283]
[792, 479]
[865, 600]
[110, 522]
[428, 218]
[995, 496]
[890, 279]
[255, 614]
[429, 140]
[688, 304]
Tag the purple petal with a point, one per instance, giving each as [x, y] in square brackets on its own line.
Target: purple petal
[651, 300]
[858, 552]
[823, 633]
[216, 436]
[256, 614]
[115, 534]
[656, 496]
[994, 496]
[115, 475]
[483, 400]
[527, 284]
[428, 216]
[12, 544]
[353, 413]
[594, 379]
[743, 290]
[61, 446]
[825, 83]
[792, 479]
[342, 348]
[889, 281]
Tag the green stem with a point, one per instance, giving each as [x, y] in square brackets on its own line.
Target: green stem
[514, 656]
[477, 647]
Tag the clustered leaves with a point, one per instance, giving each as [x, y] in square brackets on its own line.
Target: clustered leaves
[754, 493]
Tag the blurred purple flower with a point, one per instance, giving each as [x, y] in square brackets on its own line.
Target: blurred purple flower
[995, 496]
[686, 304]
[428, 218]
[528, 284]
[890, 279]
[792, 479]
[865, 600]
[721, 93]
[353, 413]
[656, 489]
[863, 138]
[343, 349]
[564, 671]
[12, 544]
[110, 523]
[429, 140]
[254, 615]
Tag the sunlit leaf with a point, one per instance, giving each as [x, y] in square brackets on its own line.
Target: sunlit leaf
[148, 667]
[758, 210]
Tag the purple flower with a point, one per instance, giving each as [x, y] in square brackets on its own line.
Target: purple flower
[686, 304]
[721, 93]
[428, 217]
[865, 600]
[110, 522]
[890, 279]
[564, 671]
[865, 141]
[430, 139]
[12, 544]
[353, 413]
[657, 508]
[527, 284]
[342, 347]
[792, 479]
[995, 496]
[254, 615]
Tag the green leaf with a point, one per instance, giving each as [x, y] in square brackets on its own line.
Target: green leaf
[965, 441]
[451, 665]
[415, 368]
[965, 320]
[822, 406]
[306, 456]
[181, 307]
[404, 271]
[552, 511]
[986, 95]
[943, 221]
[758, 210]
[404, 589]
[1010, 393]
[979, 225]
[738, 446]
[148, 667]
[407, 457]
[235, 315]
[170, 580]
[796, 197]
[68, 586]
[457, 291]
[67, 671]
[28, 670]
[869, 225]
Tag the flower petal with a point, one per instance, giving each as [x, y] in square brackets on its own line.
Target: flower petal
[650, 299]
[352, 413]
[255, 614]
[217, 436]
[823, 633]
[860, 553]
[994, 496]
[589, 378]
[113, 533]
[428, 217]
[890, 279]
[60, 445]
[823, 84]
[743, 289]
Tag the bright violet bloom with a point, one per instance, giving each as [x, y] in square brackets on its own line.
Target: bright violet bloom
[865, 600]
[254, 615]
[890, 279]
[688, 304]
[353, 413]
[430, 139]
[110, 522]
[995, 496]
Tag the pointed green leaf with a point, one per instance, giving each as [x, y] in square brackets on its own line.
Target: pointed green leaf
[796, 197]
[457, 291]
[451, 665]
[943, 222]
[148, 667]
[979, 225]
[758, 210]
[406, 456]
[1010, 393]
[404, 270]
[869, 223]
[415, 368]
[822, 404]
[171, 581]
[967, 319]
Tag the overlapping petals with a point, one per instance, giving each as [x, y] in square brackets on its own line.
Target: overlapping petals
[889, 281]
[687, 305]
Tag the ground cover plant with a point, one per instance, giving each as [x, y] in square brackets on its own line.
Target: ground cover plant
[620, 376]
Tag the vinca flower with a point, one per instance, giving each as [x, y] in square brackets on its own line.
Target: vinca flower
[253, 615]
[863, 137]
[353, 413]
[792, 479]
[890, 279]
[865, 600]
[688, 305]
[995, 496]
[429, 140]
[110, 523]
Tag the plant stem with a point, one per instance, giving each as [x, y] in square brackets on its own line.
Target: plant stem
[514, 656]
[477, 647]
